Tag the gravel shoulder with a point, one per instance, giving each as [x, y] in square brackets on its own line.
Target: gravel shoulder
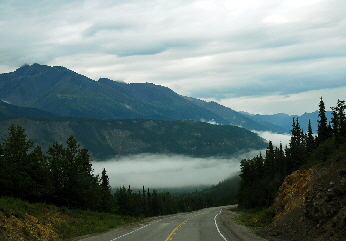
[240, 231]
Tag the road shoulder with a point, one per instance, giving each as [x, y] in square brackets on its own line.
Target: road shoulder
[240, 231]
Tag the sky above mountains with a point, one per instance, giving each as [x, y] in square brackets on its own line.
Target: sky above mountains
[259, 56]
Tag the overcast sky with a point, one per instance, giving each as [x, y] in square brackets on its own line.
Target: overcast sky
[259, 56]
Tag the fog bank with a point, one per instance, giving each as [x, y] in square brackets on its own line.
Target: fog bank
[274, 137]
[169, 171]
[177, 171]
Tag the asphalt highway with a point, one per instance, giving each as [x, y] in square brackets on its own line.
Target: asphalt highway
[201, 225]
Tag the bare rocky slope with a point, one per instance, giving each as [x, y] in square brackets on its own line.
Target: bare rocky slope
[311, 204]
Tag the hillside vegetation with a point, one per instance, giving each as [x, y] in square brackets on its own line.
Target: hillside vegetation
[303, 187]
[311, 204]
[21, 220]
[108, 138]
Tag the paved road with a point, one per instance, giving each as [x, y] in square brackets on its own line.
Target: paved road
[203, 225]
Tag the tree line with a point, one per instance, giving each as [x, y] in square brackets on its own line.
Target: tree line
[64, 176]
[261, 176]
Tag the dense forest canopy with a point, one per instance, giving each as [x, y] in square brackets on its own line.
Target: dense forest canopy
[261, 176]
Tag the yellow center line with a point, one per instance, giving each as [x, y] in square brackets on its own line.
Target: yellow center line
[180, 226]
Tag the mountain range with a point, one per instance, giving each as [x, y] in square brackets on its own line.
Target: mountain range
[52, 102]
[285, 121]
[65, 93]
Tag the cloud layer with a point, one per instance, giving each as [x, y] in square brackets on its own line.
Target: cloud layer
[177, 171]
[234, 51]
[169, 171]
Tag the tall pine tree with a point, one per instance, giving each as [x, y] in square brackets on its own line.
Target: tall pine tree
[323, 130]
[339, 121]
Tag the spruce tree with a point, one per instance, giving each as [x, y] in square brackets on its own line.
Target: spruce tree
[339, 121]
[106, 196]
[73, 180]
[322, 131]
[17, 174]
[297, 150]
[270, 160]
[310, 140]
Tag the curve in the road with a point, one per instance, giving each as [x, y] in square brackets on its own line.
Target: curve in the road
[217, 227]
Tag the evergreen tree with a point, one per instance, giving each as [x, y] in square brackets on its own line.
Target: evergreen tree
[40, 173]
[122, 201]
[18, 170]
[339, 121]
[270, 160]
[60, 179]
[149, 203]
[73, 179]
[310, 140]
[297, 152]
[16, 147]
[106, 196]
[322, 131]
[281, 162]
[155, 204]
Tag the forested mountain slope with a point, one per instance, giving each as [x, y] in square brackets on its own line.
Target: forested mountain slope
[10, 111]
[238, 119]
[107, 138]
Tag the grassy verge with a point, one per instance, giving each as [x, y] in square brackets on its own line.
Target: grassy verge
[23, 220]
[254, 217]
[86, 222]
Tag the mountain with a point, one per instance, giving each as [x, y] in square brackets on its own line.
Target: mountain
[108, 138]
[65, 93]
[237, 119]
[285, 121]
[10, 111]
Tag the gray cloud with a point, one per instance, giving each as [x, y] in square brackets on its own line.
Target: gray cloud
[216, 50]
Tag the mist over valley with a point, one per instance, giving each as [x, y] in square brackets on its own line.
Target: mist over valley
[181, 150]
[160, 171]
[164, 172]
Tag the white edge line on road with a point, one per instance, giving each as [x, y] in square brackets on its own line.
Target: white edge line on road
[217, 227]
[134, 230]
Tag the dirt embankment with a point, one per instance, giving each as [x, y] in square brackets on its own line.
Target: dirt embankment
[311, 204]
[28, 227]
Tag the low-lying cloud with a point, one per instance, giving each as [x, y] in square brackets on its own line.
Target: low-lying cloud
[177, 171]
[275, 138]
[169, 171]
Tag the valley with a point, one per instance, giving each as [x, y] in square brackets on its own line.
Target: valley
[148, 136]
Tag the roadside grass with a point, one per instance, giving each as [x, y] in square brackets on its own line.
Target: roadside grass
[64, 222]
[257, 218]
[82, 222]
